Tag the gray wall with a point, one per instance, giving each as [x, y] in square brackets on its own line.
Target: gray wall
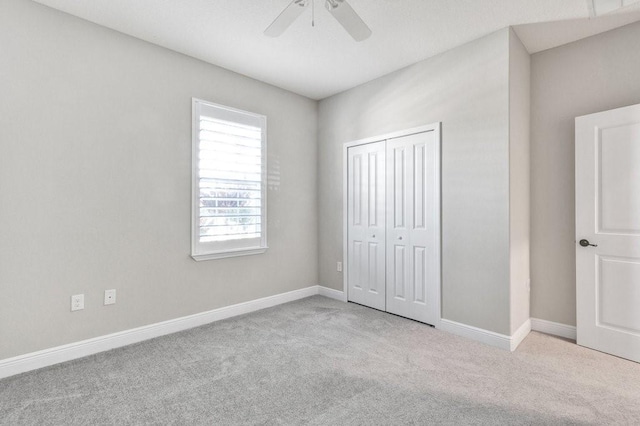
[519, 179]
[95, 174]
[591, 75]
[467, 89]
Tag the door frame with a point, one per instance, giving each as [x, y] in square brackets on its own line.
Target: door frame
[437, 129]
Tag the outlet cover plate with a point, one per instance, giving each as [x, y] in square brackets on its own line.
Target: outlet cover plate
[109, 297]
[77, 302]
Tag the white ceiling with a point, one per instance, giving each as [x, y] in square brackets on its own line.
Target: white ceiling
[323, 60]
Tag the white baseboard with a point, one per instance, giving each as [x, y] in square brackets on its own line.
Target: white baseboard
[56, 355]
[555, 328]
[521, 333]
[498, 340]
[332, 294]
[502, 341]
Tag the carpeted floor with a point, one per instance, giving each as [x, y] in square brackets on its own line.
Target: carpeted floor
[322, 362]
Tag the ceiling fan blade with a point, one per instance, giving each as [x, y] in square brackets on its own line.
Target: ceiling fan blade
[349, 19]
[286, 18]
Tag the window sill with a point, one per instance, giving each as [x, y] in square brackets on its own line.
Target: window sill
[228, 253]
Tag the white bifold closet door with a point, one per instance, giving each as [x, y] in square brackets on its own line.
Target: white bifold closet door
[413, 231]
[366, 225]
[393, 228]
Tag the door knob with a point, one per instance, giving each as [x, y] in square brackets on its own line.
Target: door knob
[586, 243]
[399, 238]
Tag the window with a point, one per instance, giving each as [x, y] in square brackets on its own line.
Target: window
[229, 196]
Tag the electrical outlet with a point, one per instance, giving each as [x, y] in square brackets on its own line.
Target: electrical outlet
[339, 267]
[110, 297]
[77, 302]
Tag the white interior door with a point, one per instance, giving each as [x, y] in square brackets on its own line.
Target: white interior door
[608, 218]
[366, 225]
[413, 227]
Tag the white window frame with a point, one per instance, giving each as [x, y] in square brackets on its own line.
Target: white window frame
[223, 249]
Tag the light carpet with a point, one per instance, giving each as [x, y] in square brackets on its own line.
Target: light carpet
[318, 361]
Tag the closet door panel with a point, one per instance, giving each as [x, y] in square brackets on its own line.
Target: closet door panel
[413, 194]
[398, 199]
[366, 225]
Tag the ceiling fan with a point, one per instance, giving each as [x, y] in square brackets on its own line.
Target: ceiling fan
[340, 9]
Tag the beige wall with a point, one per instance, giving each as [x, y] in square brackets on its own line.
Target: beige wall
[519, 179]
[95, 175]
[467, 89]
[595, 74]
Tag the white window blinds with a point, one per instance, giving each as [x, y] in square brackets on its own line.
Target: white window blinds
[229, 191]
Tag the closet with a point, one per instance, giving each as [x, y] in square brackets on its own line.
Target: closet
[392, 240]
